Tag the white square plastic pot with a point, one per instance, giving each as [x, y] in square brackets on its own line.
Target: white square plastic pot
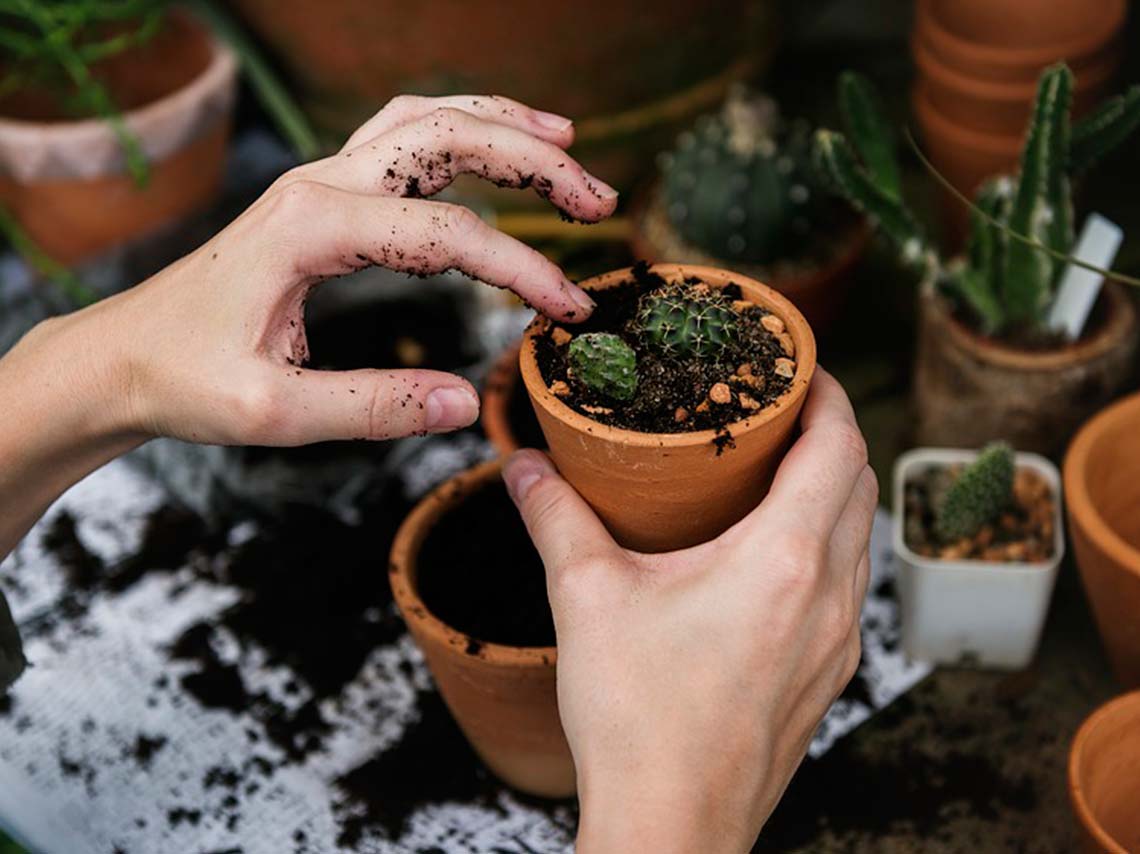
[972, 612]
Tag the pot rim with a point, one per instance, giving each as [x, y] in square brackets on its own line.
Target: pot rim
[950, 456]
[1121, 317]
[402, 567]
[500, 384]
[975, 52]
[1080, 503]
[1076, 750]
[764, 295]
[999, 145]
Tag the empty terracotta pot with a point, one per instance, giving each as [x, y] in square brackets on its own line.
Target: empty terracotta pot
[66, 181]
[970, 389]
[665, 491]
[1102, 485]
[1104, 777]
[502, 697]
[1011, 41]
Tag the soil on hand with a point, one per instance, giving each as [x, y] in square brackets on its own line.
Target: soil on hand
[1024, 532]
[490, 587]
[675, 394]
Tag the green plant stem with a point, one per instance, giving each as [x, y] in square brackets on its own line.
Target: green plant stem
[59, 275]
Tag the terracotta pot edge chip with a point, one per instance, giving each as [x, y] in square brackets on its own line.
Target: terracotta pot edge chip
[402, 562]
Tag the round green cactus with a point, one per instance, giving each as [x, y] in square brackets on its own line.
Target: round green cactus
[681, 321]
[978, 496]
[605, 364]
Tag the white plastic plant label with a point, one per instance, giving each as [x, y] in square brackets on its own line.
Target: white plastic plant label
[1098, 244]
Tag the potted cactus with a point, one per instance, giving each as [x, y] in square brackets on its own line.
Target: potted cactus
[738, 190]
[979, 538]
[669, 409]
[989, 366]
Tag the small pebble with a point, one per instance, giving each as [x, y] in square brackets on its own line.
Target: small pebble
[742, 305]
[703, 406]
[785, 368]
[744, 370]
[681, 415]
[773, 324]
[597, 410]
[748, 402]
[559, 388]
[560, 336]
[720, 393]
[787, 343]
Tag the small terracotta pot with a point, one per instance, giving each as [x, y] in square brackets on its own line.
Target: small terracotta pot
[665, 491]
[970, 389]
[502, 697]
[818, 292]
[1102, 481]
[66, 181]
[1011, 41]
[501, 385]
[1104, 777]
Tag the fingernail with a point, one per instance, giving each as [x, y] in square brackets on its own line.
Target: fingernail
[580, 298]
[600, 188]
[552, 121]
[522, 471]
[449, 408]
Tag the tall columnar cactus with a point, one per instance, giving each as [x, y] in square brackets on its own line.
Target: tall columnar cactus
[682, 320]
[737, 186]
[1007, 282]
[605, 364]
[978, 496]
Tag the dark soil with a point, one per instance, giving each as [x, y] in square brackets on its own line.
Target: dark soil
[666, 384]
[491, 588]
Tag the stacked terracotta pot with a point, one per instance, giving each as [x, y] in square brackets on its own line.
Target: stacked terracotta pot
[977, 64]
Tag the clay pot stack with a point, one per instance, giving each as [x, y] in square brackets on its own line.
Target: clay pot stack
[977, 64]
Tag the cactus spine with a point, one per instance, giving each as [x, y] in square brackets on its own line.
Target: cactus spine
[681, 320]
[978, 496]
[605, 364]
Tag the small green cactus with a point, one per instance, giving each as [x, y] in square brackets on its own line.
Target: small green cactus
[737, 185]
[682, 320]
[978, 496]
[1006, 283]
[605, 364]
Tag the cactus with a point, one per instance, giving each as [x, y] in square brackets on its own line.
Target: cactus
[736, 185]
[978, 495]
[1006, 283]
[605, 364]
[681, 320]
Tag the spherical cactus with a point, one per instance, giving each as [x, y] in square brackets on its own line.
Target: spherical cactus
[681, 321]
[736, 186]
[604, 364]
[978, 496]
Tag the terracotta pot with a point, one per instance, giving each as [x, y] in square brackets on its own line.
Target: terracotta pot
[1104, 783]
[499, 388]
[66, 181]
[1011, 41]
[818, 292]
[502, 697]
[1102, 482]
[970, 389]
[665, 491]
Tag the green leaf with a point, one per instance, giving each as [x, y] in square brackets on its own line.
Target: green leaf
[1103, 130]
[973, 289]
[870, 132]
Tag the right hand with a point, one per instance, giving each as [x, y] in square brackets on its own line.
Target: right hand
[690, 684]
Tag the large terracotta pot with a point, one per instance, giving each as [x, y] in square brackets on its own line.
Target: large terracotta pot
[588, 60]
[1104, 777]
[502, 697]
[819, 292]
[1102, 485]
[664, 491]
[970, 389]
[66, 181]
[1010, 41]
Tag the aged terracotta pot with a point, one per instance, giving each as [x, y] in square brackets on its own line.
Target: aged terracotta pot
[501, 385]
[818, 292]
[1104, 782]
[664, 491]
[503, 697]
[1102, 485]
[970, 390]
[66, 181]
[1011, 41]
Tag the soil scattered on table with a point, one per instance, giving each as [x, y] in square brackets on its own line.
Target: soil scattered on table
[674, 394]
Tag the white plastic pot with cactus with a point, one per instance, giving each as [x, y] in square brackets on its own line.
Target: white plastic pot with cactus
[979, 539]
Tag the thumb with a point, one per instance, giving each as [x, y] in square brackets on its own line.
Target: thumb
[564, 528]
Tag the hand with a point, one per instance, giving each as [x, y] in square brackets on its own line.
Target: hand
[690, 684]
[212, 349]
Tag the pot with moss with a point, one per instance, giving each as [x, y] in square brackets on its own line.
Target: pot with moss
[979, 537]
[738, 190]
[476, 605]
[991, 363]
[671, 406]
